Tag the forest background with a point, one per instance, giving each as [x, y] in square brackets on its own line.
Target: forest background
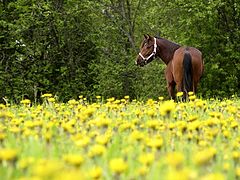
[89, 47]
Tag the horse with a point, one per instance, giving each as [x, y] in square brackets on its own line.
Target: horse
[184, 65]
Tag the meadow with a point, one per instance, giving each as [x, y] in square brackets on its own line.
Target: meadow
[120, 139]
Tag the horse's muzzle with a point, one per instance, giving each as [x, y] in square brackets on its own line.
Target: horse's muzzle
[140, 62]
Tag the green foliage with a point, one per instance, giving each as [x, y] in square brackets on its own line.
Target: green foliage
[46, 49]
[89, 47]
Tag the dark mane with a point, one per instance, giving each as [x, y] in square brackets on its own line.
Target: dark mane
[171, 44]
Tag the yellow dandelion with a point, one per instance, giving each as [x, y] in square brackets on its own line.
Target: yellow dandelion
[73, 102]
[46, 169]
[103, 139]
[68, 174]
[96, 150]
[74, 159]
[153, 124]
[95, 172]
[200, 103]
[183, 174]
[237, 171]
[2, 106]
[126, 97]
[205, 156]
[143, 170]
[234, 124]
[150, 102]
[51, 99]
[111, 99]
[26, 162]
[47, 136]
[226, 166]
[232, 109]
[8, 154]
[2, 136]
[154, 142]
[146, 159]
[160, 98]
[167, 107]
[235, 155]
[48, 95]
[179, 94]
[227, 134]
[192, 97]
[136, 135]
[175, 159]
[103, 122]
[25, 102]
[82, 142]
[190, 93]
[118, 165]
[213, 176]
[202, 143]
[98, 97]
[152, 113]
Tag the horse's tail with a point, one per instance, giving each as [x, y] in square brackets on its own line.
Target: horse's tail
[187, 76]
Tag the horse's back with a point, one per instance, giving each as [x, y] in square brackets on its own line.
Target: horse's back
[196, 61]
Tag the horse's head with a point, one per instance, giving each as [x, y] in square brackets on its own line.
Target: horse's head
[147, 50]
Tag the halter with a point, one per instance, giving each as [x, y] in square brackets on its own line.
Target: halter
[153, 53]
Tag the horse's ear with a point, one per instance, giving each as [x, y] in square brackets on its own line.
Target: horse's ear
[146, 36]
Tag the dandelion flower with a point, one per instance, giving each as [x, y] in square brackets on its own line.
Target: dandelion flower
[126, 97]
[213, 176]
[25, 102]
[98, 97]
[237, 171]
[46, 169]
[190, 93]
[143, 170]
[179, 94]
[205, 156]
[146, 159]
[192, 98]
[96, 150]
[118, 165]
[95, 172]
[74, 159]
[175, 159]
[154, 142]
[167, 107]
[8, 154]
[48, 95]
[51, 99]
[160, 98]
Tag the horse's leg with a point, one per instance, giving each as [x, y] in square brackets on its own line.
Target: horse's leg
[171, 90]
[195, 87]
[170, 81]
[181, 89]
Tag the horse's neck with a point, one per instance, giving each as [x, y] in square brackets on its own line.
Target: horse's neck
[166, 49]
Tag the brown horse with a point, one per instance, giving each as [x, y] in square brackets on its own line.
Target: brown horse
[184, 64]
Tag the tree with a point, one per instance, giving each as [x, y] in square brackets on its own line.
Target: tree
[46, 48]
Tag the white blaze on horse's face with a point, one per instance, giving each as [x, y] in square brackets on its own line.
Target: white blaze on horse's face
[148, 50]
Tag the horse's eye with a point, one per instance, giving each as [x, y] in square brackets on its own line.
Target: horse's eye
[145, 44]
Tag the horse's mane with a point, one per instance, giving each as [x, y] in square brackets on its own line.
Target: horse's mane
[171, 44]
[167, 55]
